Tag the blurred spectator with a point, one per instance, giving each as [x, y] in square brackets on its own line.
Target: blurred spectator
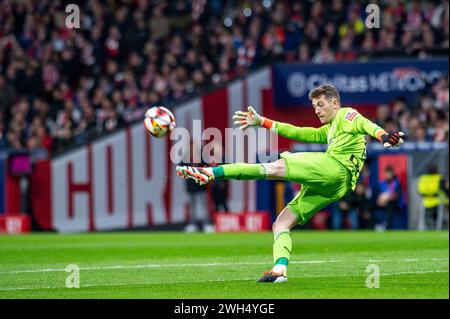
[369, 43]
[325, 54]
[39, 136]
[273, 40]
[7, 94]
[159, 24]
[440, 91]
[414, 15]
[390, 200]
[304, 54]
[199, 214]
[345, 52]
[431, 186]
[399, 108]
[87, 125]
[219, 190]
[336, 14]
[112, 120]
[219, 187]
[419, 135]
[354, 211]
[383, 115]
[354, 24]
[440, 133]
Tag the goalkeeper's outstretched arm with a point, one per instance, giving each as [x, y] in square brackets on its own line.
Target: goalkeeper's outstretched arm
[366, 126]
[301, 134]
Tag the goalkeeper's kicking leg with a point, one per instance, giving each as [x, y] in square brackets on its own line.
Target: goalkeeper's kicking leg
[238, 171]
[281, 227]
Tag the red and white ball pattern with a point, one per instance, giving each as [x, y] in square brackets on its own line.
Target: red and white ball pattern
[159, 121]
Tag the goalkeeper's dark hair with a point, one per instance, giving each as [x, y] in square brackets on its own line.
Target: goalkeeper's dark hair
[327, 90]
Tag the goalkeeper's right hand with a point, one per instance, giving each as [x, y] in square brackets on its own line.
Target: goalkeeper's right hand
[251, 118]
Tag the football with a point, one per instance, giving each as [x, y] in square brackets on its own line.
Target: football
[159, 121]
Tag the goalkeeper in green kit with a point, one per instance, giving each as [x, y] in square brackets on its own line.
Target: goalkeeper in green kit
[325, 177]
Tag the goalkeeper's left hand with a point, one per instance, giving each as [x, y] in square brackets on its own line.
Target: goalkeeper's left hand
[393, 139]
[246, 119]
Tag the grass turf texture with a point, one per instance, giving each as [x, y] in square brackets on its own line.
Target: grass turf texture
[178, 265]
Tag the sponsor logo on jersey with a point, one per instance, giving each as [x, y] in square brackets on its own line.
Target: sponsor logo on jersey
[351, 115]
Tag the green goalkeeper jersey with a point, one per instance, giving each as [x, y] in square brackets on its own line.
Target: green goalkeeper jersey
[345, 136]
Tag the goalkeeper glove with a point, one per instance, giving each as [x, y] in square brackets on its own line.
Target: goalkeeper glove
[393, 139]
[250, 118]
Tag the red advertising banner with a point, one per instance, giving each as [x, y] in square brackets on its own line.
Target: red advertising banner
[14, 224]
[242, 222]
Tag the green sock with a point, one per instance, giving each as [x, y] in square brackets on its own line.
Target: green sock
[282, 261]
[240, 171]
[218, 171]
[282, 247]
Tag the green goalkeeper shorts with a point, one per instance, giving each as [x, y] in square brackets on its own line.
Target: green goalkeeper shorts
[324, 180]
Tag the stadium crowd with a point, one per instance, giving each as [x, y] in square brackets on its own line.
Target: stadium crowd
[426, 120]
[60, 86]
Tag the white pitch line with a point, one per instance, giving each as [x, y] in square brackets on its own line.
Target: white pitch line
[163, 266]
[218, 280]
[204, 265]
[414, 272]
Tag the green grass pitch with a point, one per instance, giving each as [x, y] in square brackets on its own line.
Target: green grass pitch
[178, 265]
